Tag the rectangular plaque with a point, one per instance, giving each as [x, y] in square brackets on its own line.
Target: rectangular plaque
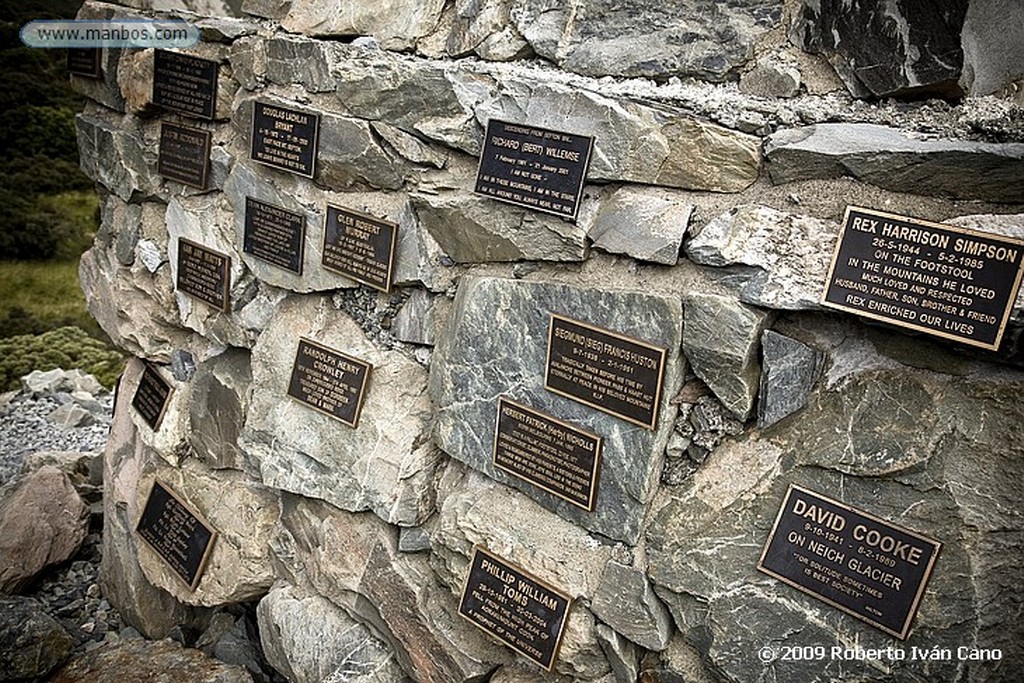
[152, 396]
[85, 61]
[606, 370]
[360, 247]
[185, 84]
[284, 138]
[204, 274]
[518, 609]
[854, 561]
[939, 279]
[184, 154]
[179, 535]
[329, 381]
[274, 235]
[534, 167]
[556, 456]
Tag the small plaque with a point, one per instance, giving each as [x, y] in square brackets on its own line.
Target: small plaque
[946, 281]
[534, 167]
[85, 61]
[518, 609]
[360, 247]
[176, 533]
[152, 396]
[556, 456]
[329, 381]
[606, 370]
[274, 235]
[185, 84]
[204, 274]
[284, 138]
[184, 154]
[854, 561]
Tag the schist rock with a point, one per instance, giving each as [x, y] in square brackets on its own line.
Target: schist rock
[903, 49]
[139, 659]
[484, 355]
[892, 159]
[896, 461]
[645, 223]
[397, 24]
[386, 464]
[309, 639]
[32, 643]
[640, 38]
[790, 370]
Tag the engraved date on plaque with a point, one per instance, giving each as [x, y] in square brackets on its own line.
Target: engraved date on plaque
[152, 396]
[606, 370]
[184, 155]
[178, 534]
[285, 138]
[515, 607]
[329, 381]
[361, 247]
[204, 273]
[185, 84]
[274, 235]
[854, 561]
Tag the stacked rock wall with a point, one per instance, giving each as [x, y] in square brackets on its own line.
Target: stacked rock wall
[724, 158]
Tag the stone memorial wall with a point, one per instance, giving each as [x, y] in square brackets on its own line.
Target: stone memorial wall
[575, 342]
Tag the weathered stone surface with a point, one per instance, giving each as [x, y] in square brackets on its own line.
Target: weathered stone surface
[112, 151]
[71, 416]
[353, 560]
[473, 229]
[899, 49]
[386, 465]
[219, 400]
[154, 612]
[243, 514]
[639, 38]
[103, 90]
[415, 322]
[993, 46]
[309, 639]
[891, 159]
[680, 662]
[487, 30]
[790, 370]
[44, 382]
[496, 345]
[622, 654]
[270, 9]
[626, 601]
[771, 79]
[645, 223]
[788, 255]
[32, 643]
[301, 61]
[927, 451]
[140, 660]
[721, 338]
[43, 522]
[633, 142]
[85, 470]
[397, 24]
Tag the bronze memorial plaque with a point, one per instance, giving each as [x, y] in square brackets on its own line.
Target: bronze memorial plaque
[180, 536]
[284, 138]
[360, 247]
[556, 456]
[939, 279]
[185, 84]
[204, 274]
[854, 561]
[274, 235]
[329, 381]
[184, 155]
[518, 609]
[534, 167]
[606, 370]
[152, 396]
[85, 61]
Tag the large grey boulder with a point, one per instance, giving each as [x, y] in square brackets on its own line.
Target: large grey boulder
[710, 41]
[309, 639]
[993, 45]
[396, 24]
[43, 522]
[904, 49]
[496, 345]
[32, 643]
[895, 160]
[931, 452]
[386, 464]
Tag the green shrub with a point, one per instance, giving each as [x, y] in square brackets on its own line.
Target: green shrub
[65, 347]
